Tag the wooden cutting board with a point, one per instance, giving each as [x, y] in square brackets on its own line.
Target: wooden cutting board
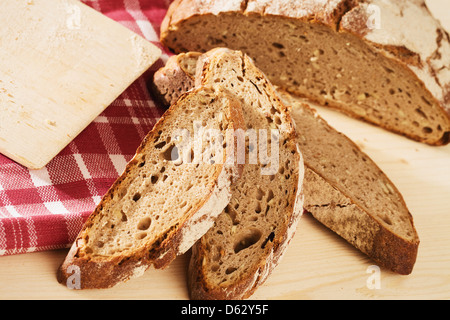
[62, 63]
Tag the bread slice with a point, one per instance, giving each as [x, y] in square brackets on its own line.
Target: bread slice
[250, 236]
[167, 197]
[347, 192]
[382, 61]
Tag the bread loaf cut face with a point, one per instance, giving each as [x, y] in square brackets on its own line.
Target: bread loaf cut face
[384, 62]
[347, 192]
[252, 233]
[167, 197]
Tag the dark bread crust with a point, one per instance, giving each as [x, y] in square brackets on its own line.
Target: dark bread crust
[100, 272]
[393, 252]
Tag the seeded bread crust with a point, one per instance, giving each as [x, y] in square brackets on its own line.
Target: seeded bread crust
[330, 204]
[422, 56]
[99, 271]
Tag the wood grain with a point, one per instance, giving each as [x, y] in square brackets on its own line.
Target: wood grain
[62, 63]
[318, 264]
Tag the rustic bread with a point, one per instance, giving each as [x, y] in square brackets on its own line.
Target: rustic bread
[250, 236]
[346, 191]
[396, 75]
[167, 197]
[175, 78]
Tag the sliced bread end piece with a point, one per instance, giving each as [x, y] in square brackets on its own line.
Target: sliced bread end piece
[168, 196]
[175, 78]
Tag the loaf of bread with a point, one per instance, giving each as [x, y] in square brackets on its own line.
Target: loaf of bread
[344, 189]
[168, 196]
[386, 62]
[251, 235]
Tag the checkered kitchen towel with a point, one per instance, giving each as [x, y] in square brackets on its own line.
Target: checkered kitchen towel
[45, 209]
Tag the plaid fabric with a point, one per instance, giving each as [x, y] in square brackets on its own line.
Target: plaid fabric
[45, 209]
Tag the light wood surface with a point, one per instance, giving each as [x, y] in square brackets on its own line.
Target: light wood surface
[62, 63]
[318, 264]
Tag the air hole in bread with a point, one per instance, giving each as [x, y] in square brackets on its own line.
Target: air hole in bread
[386, 220]
[230, 270]
[171, 153]
[427, 130]
[278, 45]
[247, 240]
[160, 145]
[141, 164]
[144, 223]
[158, 136]
[273, 110]
[277, 120]
[183, 204]
[215, 267]
[136, 196]
[421, 113]
[124, 216]
[270, 196]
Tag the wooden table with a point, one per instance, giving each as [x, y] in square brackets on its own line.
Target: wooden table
[318, 264]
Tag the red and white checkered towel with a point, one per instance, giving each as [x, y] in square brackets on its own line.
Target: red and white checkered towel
[45, 209]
